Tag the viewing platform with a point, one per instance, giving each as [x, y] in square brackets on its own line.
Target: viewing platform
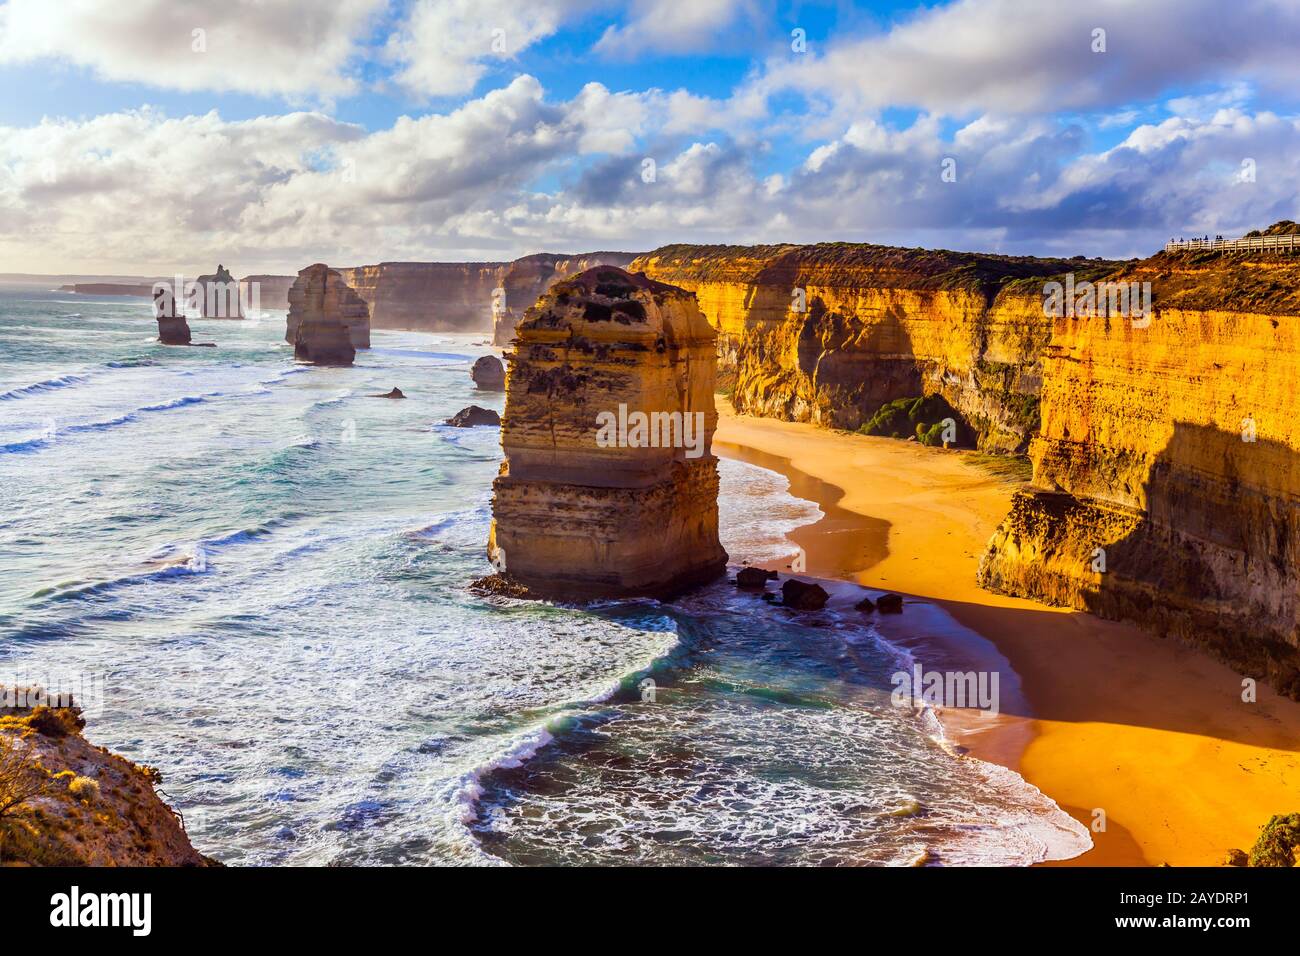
[1246, 244]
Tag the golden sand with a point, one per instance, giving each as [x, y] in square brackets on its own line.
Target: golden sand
[1152, 732]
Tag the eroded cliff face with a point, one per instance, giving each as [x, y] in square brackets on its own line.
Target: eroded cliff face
[272, 291]
[586, 507]
[828, 333]
[431, 296]
[525, 280]
[1167, 472]
[86, 806]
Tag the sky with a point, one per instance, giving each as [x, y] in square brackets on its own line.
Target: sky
[147, 137]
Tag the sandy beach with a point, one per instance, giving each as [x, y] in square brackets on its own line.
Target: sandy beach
[1152, 732]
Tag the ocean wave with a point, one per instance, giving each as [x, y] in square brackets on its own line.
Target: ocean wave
[126, 418]
[49, 385]
[526, 743]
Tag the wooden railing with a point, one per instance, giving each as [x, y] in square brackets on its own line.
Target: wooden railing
[1246, 244]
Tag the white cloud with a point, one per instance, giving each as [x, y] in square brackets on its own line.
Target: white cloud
[1026, 56]
[295, 48]
[671, 26]
[445, 46]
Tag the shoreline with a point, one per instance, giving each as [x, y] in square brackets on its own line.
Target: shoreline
[1150, 731]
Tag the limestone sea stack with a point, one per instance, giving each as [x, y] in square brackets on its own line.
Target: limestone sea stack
[219, 295]
[323, 310]
[489, 374]
[609, 487]
[172, 327]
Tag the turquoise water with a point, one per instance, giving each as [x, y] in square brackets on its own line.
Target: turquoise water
[255, 575]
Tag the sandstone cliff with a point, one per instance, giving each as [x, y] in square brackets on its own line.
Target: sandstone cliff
[326, 317]
[272, 291]
[1167, 472]
[586, 504]
[829, 333]
[83, 805]
[218, 296]
[524, 280]
[429, 296]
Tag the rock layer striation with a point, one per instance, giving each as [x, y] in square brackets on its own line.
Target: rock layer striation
[587, 505]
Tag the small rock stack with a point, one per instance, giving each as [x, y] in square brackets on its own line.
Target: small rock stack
[489, 374]
[218, 295]
[323, 311]
[172, 327]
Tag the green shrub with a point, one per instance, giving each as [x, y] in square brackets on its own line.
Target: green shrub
[921, 417]
[1278, 843]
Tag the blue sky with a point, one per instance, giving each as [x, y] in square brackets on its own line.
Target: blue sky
[144, 136]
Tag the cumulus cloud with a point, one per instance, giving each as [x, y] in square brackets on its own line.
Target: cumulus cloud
[671, 26]
[1026, 56]
[294, 48]
[445, 46]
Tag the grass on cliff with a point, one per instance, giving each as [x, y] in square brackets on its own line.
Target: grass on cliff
[1017, 468]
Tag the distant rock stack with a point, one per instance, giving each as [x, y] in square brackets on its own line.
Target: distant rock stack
[219, 295]
[489, 374]
[172, 327]
[609, 487]
[323, 309]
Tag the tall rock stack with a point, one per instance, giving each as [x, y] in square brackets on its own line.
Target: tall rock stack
[323, 313]
[219, 295]
[609, 487]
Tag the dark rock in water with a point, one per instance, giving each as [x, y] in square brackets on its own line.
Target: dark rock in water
[395, 393]
[754, 579]
[172, 327]
[803, 596]
[866, 605]
[473, 415]
[768, 596]
[889, 604]
[489, 374]
[322, 310]
[500, 585]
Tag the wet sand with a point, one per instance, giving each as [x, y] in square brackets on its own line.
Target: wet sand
[1108, 718]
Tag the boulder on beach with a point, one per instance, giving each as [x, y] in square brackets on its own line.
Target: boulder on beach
[889, 604]
[474, 415]
[866, 605]
[489, 374]
[803, 596]
[754, 579]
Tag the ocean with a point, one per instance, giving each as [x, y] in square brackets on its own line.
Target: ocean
[255, 574]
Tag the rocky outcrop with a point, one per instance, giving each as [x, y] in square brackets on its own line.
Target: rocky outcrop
[472, 416]
[82, 805]
[829, 333]
[489, 374]
[609, 487]
[323, 310]
[173, 329]
[218, 295]
[525, 280]
[1166, 486]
